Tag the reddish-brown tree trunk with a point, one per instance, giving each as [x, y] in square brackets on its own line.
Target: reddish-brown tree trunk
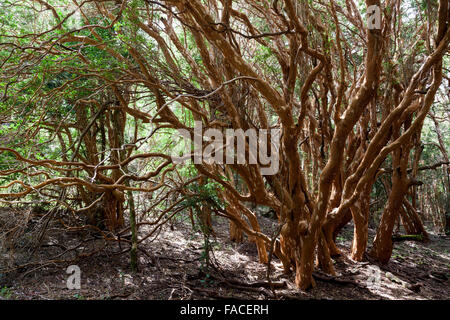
[418, 227]
[236, 234]
[382, 245]
[360, 212]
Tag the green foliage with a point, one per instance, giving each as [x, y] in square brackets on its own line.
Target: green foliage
[205, 193]
[79, 296]
[5, 293]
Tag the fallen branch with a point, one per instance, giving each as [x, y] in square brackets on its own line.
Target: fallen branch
[264, 284]
[408, 237]
[333, 279]
[212, 293]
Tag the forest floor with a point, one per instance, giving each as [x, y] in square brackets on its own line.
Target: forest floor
[172, 266]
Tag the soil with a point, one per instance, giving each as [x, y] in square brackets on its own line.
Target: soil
[173, 266]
